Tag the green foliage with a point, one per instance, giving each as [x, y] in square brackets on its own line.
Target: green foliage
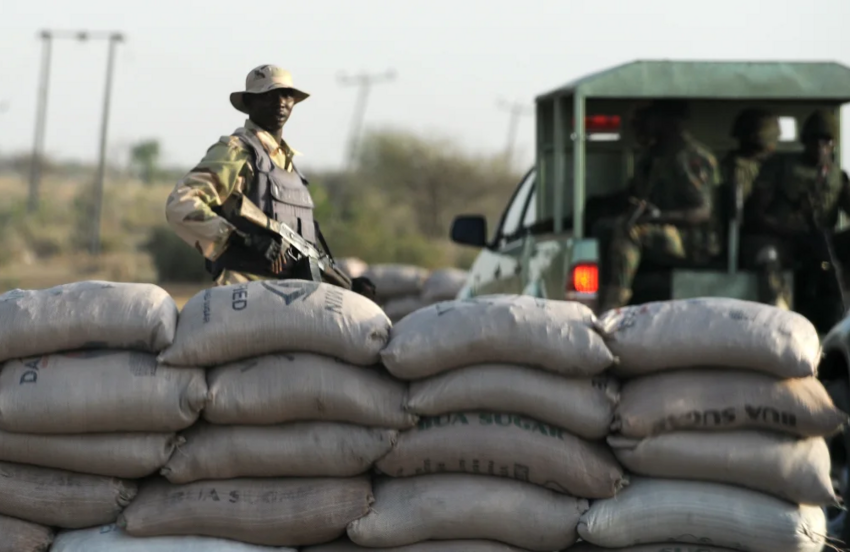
[144, 160]
[173, 259]
[436, 176]
[396, 206]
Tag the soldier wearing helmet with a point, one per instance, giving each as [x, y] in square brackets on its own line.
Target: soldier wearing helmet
[795, 200]
[256, 161]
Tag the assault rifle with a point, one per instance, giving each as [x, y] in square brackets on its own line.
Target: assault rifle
[816, 206]
[637, 209]
[307, 262]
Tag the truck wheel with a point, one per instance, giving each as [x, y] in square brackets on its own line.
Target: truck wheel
[838, 520]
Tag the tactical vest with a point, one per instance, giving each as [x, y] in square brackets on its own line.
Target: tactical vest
[281, 194]
[800, 191]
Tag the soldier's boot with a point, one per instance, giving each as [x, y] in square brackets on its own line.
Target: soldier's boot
[612, 297]
[772, 288]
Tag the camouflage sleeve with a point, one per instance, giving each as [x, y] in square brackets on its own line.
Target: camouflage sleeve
[844, 198]
[702, 175]
[222, 171]
[765, 180]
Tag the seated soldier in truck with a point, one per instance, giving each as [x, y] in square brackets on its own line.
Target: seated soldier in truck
[673, 218]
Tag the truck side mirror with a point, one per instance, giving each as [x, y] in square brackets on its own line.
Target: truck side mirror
[470, 230]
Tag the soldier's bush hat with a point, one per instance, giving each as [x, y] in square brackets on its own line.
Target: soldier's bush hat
[266, 78]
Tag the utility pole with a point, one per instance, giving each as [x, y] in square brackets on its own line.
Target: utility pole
[114, 39]
[47, 38]
[365, 82]
[517, 110]
[37, 161]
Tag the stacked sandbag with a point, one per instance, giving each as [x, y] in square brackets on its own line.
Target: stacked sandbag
[352, 266]
[22, 536]
[110, 538]
[345, 545]
[514, 407]
[399, 288]
[297, 414]
[84, 406]
[723, 421]
[443, 285]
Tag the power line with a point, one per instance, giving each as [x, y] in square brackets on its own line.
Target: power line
[517, 110]
[365, 82]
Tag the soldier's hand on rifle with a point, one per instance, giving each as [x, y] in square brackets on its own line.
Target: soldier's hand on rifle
[651, 212]
[364, 287]
[268, 247]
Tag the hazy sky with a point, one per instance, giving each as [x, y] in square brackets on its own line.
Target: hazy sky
[454, 59]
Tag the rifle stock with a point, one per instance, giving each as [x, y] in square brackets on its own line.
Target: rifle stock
[310, 262]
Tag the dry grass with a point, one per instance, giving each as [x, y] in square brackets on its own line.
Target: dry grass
[49, 248]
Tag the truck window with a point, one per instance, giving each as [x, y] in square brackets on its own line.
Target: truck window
[514, 214]
[787, 129]
[530, 216]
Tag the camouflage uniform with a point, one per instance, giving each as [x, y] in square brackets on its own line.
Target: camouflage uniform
[802, 201]
[786, 185]
[758, 133]
[225, 169]
[742, 170]
[678, 180]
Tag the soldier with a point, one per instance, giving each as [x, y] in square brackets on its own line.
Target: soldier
[795, 203]
[256, 161]
[600, 210]
[674, 200]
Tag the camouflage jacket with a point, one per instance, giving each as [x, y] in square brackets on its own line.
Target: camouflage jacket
[792, 193]
[683, 179]
[226, 168]
[742, 170]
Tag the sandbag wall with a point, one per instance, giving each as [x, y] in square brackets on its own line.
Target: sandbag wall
[404, 289]
[722, 422]
[85, 409]
[293, 414]
[296, 416]
[509, 446]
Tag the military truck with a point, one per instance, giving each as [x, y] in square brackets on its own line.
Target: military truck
[541, 246]
[586, 149]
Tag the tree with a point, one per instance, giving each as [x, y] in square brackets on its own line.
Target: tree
[144, 159]
[435, 177]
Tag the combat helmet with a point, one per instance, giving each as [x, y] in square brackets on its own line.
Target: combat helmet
[819, 125]
[756, 126]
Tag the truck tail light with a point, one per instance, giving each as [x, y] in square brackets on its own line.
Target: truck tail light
[601, 123]
[584, 278]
